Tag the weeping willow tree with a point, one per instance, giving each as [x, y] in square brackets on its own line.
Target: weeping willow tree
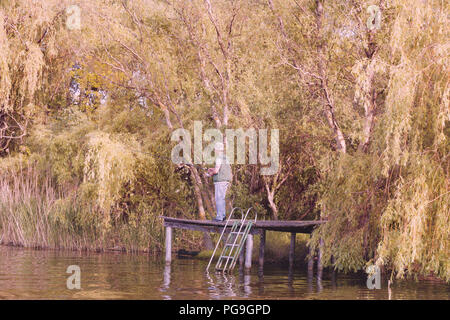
[415, 225]
[390, 205]
[36, 50]
[21, 66]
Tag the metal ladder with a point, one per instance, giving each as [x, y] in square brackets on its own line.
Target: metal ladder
[234, 242]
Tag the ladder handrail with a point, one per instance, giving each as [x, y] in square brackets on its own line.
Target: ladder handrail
[247, 230]
[237, 236]
[241, 228]
[221, 235]
[256, 212]
[225, 247]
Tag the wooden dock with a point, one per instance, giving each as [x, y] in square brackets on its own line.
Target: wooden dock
[259, 228]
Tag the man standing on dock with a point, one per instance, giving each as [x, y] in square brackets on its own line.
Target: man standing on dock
[221, 176]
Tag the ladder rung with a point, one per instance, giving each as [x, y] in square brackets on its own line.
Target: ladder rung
[235, 240]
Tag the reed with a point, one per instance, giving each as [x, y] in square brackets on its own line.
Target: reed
[35, 212]
[32, 214]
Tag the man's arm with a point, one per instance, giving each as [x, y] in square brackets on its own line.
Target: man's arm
[215, 170]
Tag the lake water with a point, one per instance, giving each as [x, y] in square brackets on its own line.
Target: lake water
[41, 274]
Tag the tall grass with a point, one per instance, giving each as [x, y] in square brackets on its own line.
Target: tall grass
[28, 217]
[34, 212]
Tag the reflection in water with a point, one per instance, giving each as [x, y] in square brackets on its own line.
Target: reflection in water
[319, 284]
[247, 287]
[291, 279]
[260, 282]
[32, 274]
[389, 290]
[310, 277]
[221, 285]
[166, 280]
[333, 279]
[224, 285]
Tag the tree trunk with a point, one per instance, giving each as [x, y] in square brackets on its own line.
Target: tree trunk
[369, 94]
[329, 109]
[207, 241]
[198, 194]
[273, 206]
[208, 197]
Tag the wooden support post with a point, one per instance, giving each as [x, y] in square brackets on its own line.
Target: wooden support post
[248, 252]
[333, 262]
[242, 257]
[168, 244]
[333, 273]
[319, 260]
[262, 245]
[292, 250]
[310, 262]
[207, 241]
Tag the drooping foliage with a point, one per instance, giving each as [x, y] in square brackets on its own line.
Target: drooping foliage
[86, 116]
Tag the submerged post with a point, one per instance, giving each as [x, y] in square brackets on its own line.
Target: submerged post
[262, 245]
[242, 257]
[319, 260]
[248, 251]
[168, 244]
[310, 261]
[333, 272]
[292, 250]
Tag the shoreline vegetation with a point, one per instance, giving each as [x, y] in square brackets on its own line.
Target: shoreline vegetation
[34, 214]
[90, 98]
[30, 217]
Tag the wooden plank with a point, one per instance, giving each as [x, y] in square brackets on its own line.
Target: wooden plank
[282, 226]
[266, 223]
[286, 224]
[203, 228]
[168, 245]
[304, 229]
[248, 251]
[192, 227]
